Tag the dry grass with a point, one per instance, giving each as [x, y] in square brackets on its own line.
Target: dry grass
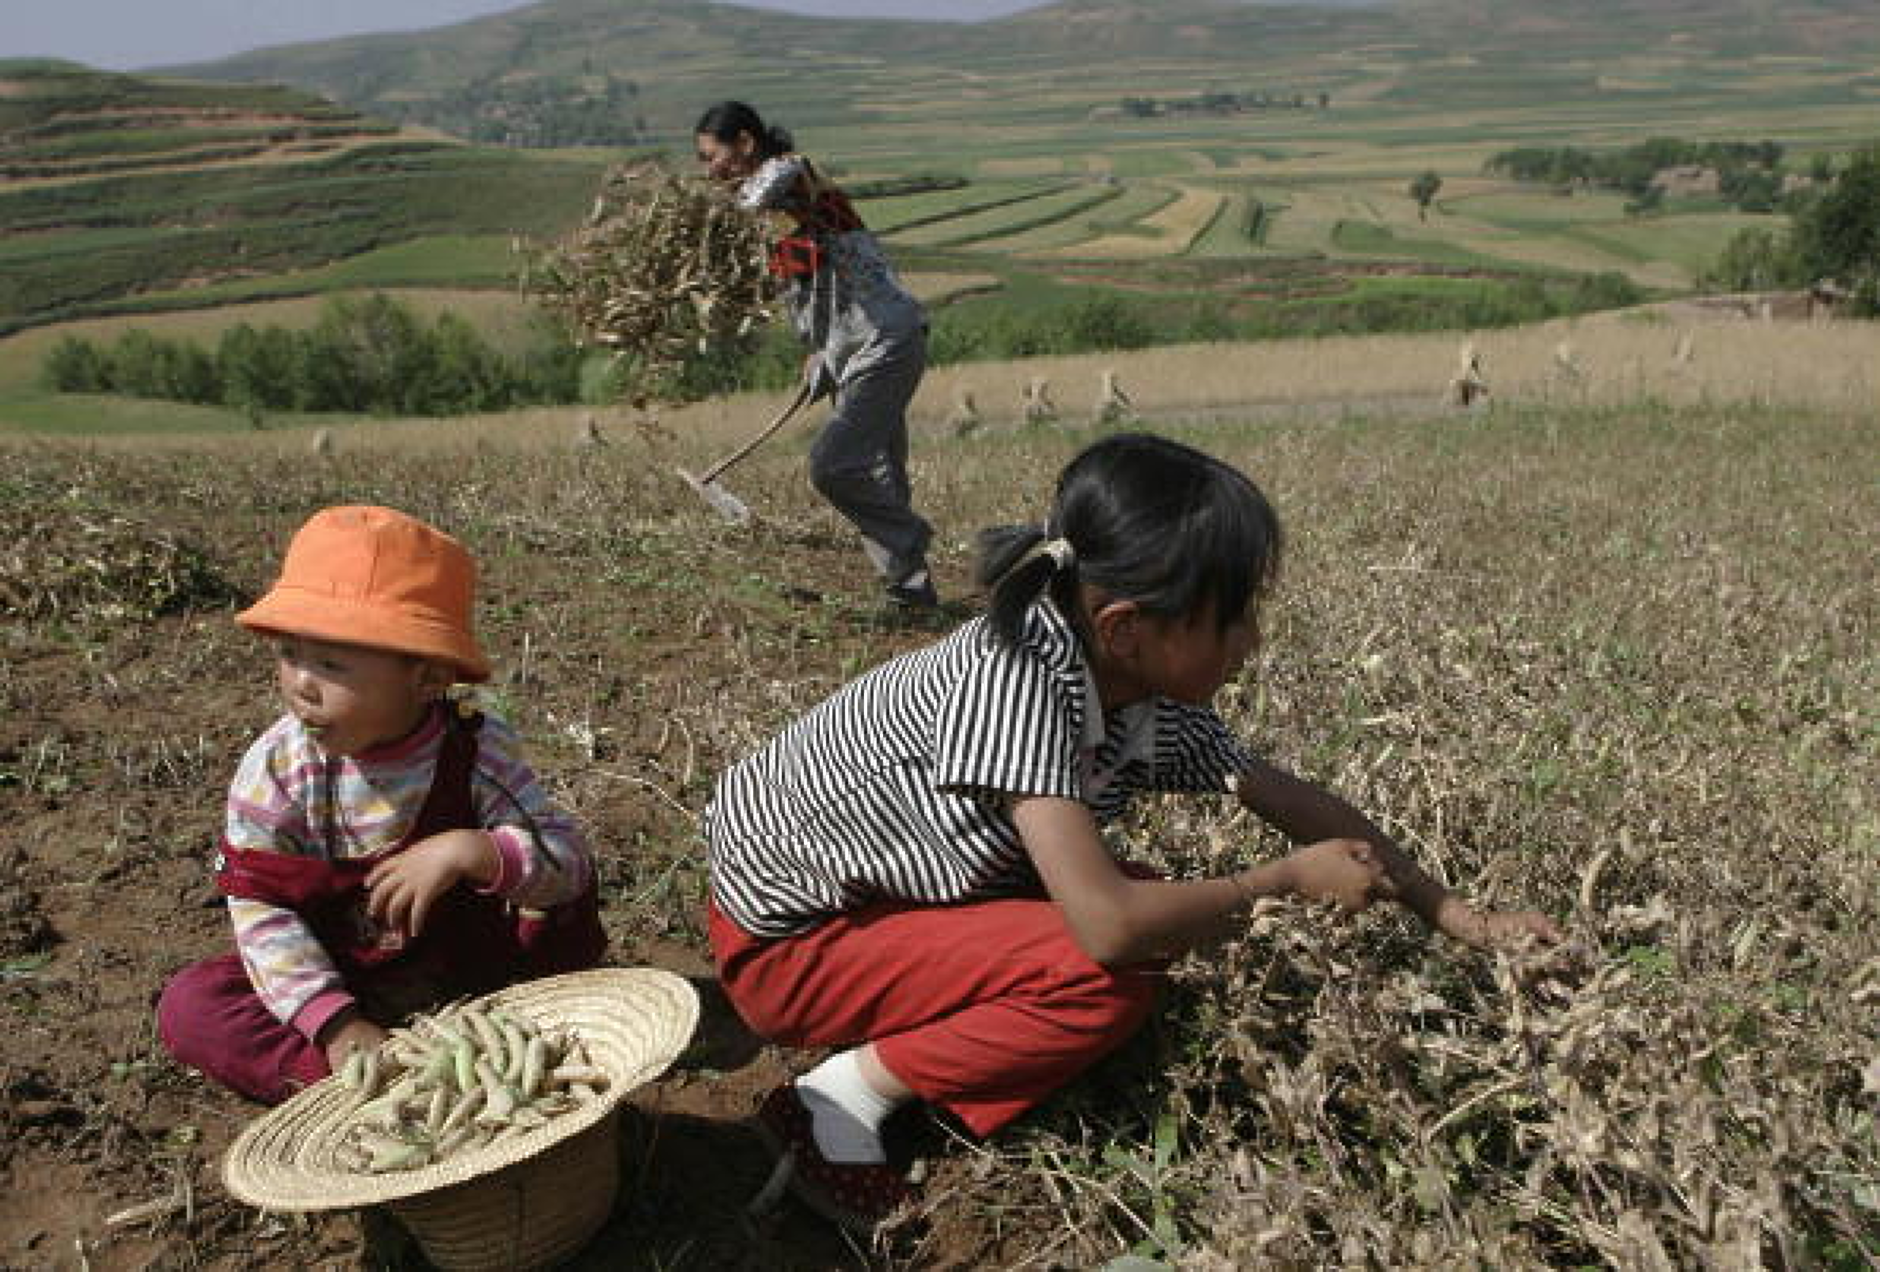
[1625, 358]
[1615, 661]
[1621, 667]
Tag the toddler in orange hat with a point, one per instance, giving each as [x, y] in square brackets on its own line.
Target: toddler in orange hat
[382, 852]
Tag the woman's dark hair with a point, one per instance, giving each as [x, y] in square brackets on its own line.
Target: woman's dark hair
[728, 119]
[1150, 521]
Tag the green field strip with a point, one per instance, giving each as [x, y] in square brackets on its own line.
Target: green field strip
[1134, 205]
[57, 246]
[1537, 210]
[83, 415]
[1050, 238]
[984, 227]
[898, 213]
[1694, 242]
[1372, 240]
[1122, 215]
[452, 260]
[1226, 235]
[104, 166]
[1135, 163]
[160, 140]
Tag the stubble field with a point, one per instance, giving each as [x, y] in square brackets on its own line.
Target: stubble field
[1602, 650]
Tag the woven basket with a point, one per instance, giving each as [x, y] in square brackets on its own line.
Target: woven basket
[521, 1203]
[530, 1215]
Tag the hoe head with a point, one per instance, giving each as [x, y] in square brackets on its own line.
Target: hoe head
[722, 501]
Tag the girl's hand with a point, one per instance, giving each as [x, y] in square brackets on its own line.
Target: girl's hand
[1507, 930]
[353, 1033]
[403, 888]
[1345, 871]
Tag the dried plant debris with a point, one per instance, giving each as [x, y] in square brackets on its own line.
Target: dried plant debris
[459, 1081]
[82, 563]
[667, 269]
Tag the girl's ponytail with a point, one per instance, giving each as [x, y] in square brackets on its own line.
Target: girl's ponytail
[1016, 565]
[776, 140]
[1156, 523]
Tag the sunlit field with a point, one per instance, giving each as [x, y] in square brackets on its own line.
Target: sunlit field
[1606, 647]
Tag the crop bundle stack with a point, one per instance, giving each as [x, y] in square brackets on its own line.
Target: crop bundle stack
[667, 269]
[458, 1081]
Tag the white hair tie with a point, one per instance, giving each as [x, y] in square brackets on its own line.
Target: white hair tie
[1062, 555]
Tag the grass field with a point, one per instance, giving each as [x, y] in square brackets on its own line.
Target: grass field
[1610, 656]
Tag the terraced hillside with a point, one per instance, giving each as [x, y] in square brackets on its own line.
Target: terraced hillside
[127, 192]
[1204, 128]
[1198, 152]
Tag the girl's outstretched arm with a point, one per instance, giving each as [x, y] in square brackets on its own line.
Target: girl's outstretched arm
[1118, 919]
[1307, 813]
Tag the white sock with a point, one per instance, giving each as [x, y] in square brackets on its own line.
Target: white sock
[846, 1112]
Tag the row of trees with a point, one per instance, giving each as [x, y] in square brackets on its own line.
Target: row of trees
[1749, 173]
[365, 355]
[1221, 103]
[1833, 233]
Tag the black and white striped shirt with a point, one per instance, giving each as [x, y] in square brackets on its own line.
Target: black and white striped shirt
[896, 787]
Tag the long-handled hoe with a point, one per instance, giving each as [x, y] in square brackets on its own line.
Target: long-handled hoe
[723, 502]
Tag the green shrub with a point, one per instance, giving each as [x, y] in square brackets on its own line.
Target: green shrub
[364, 355]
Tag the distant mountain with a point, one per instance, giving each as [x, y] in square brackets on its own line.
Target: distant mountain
[544, 73]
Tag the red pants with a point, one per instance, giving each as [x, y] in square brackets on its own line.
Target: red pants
[211, 1019]
[984, 1009]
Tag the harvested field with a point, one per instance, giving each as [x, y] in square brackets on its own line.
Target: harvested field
[1613, 659]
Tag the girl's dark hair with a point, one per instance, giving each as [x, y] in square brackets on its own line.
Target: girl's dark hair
[1150, 521]
[728, 119]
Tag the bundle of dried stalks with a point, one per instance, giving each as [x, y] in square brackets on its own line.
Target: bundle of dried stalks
[667, 269]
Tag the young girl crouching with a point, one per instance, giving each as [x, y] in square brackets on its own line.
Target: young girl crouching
[914, 869]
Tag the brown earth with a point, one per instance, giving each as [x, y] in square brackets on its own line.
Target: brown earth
[1611, 663]
[621, 641]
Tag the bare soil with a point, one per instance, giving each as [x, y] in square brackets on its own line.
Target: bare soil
[117, 738]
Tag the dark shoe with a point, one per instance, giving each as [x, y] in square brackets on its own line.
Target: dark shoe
[858, 1197]
[915, 592]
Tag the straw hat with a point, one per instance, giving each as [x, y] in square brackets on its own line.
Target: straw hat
[634, 1022]
[376, 577]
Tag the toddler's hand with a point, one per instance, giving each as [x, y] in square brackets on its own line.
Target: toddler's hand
[1346, 871]
[403, 888]
[354, 1032]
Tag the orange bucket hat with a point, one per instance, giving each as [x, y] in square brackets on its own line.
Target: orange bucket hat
[373, 576]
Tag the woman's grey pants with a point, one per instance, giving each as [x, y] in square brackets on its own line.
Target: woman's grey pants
[859, 460]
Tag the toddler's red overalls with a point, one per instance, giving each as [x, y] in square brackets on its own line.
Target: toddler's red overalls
[211, 1019]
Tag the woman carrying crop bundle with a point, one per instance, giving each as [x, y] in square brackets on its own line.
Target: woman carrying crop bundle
[868, 338]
